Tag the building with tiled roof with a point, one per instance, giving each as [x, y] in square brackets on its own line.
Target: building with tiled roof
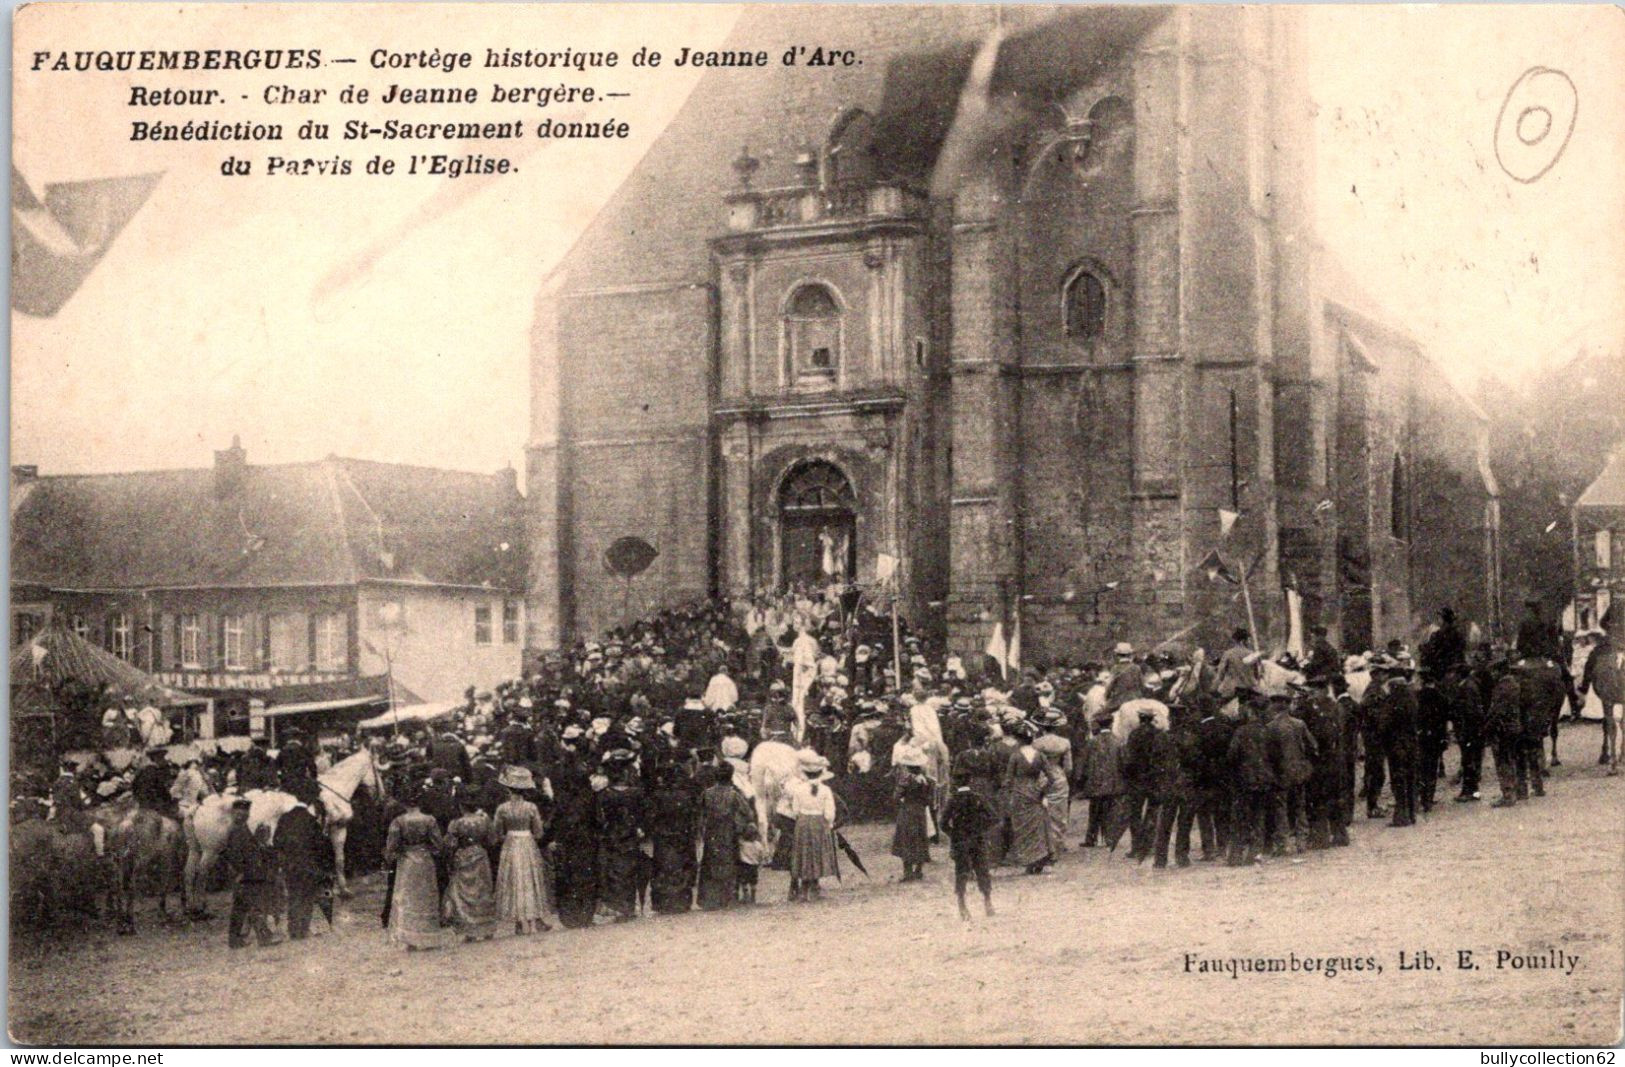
[313, 584]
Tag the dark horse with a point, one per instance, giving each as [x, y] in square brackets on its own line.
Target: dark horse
[1544, 693]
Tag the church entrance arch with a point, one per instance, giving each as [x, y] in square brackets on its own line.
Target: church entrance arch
[817, 525]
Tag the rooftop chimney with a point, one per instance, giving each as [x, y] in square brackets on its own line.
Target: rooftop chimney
[508, 479]
[24, 472]
[228, 468]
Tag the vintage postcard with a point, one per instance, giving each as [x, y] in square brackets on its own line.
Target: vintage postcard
[840, 524]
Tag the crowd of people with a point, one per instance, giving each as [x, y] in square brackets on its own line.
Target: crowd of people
[620, 772]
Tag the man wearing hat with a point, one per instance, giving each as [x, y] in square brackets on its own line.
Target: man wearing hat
[1237, 667]
[1537, 638]
[254, 870]
[1127, 681]
[1251, 781]
[1324, 667]
[446, 752]
[1293, 751]
[778, 718]
[1140, 786]
[294, 762]
[1394, 702]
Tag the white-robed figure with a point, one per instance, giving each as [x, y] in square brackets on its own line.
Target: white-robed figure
[721, 694]
[803, 669]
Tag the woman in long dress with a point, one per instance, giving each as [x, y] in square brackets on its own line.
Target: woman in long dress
[1026, 780]
[574, 834]
[911, 841]
[622, 828]
[727, 821]
[414, 911]
[521, 890]
[673, 821]
[470, 902]
[812, 804]
[1058, 789]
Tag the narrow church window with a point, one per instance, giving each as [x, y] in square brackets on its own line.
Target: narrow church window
[813, 331]
[1084, 307]
[1398, 523]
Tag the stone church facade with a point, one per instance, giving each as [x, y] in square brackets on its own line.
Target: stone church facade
[1032, 341]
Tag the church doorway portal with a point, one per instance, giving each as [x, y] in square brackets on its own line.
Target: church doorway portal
[817, 526]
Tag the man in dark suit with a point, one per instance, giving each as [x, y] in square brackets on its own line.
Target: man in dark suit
[1397, 718]
[1140, 786]
[306, 857]
[447, 753]
[294, 763]
[1328, 814]
[1324, 666]
[1251, 780]
[1292, 752]
[253, 868]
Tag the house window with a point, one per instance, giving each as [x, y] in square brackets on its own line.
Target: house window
[332, 642]
[120, 636]
[510, 622]
[191, 641]
[288, 638]
[235, 652]
[80, 626]
[813, 329]
[482, 624]
[1083, 308]
[1605, 549]
[1398, 495]
[23, 627]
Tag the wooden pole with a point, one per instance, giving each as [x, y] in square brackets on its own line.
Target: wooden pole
[1247, 598]
[896, 640]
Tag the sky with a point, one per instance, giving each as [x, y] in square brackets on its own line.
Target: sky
[203, 321]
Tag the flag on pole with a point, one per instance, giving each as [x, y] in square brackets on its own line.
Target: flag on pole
[1294, 614]
[1227, 521]
[1015, 643]
[59, 237]
[885, 567]
[997, 650]
[1214, 567]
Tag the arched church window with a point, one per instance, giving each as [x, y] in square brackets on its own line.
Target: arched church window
[1083, 307]
[1399, 495]
[813, 331]
[849, 154]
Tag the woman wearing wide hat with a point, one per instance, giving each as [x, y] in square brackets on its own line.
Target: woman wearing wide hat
[812, 804]
[911, 833]
[522, 894]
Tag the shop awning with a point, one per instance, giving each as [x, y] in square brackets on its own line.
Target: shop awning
[308, 706]
[410, 713]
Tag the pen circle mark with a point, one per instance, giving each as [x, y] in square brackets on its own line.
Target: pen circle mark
[1535, 123]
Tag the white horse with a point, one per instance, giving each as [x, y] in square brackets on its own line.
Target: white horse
[211, 822]
[772, 763]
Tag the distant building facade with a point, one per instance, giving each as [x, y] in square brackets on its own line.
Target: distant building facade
[318, 586]
[1036, 355]
[1599, 545]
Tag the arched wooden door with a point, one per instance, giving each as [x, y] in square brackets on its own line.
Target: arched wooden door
[817, 526]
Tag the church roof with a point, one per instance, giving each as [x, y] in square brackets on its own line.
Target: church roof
[331, 522]
[1608, 491]
[916, 61]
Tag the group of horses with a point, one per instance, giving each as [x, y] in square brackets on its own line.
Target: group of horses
[125, 852]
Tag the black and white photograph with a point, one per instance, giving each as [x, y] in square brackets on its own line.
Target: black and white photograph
[816, 525]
